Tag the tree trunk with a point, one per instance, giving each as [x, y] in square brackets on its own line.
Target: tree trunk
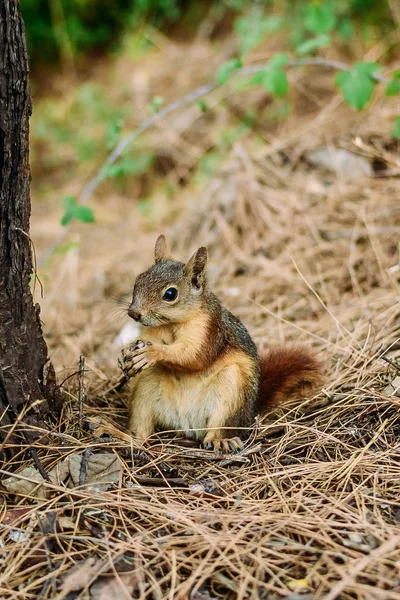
[25, 383]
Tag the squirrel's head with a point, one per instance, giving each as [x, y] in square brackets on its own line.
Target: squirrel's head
[170, 291]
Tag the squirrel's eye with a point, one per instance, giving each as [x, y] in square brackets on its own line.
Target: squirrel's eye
[170, 294]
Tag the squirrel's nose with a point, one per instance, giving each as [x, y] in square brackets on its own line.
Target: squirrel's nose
[134, 314]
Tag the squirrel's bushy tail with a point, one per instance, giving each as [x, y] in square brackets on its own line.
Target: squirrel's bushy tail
[287, 373]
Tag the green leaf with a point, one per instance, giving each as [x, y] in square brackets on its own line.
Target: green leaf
[202, 104]
[69, 207]
[75, 211]
[308, 46]
[275, 81]
[84, 214]
[356, 84]
[258, 77]
[156, 103]
[396, 129]
[393, 88]
[66, 218]
[279, 60]
[69, 203]
[366, 68]
[226, 70]
[273, 78]
[319, 18]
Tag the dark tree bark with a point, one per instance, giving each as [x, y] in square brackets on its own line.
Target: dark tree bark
[26, 376]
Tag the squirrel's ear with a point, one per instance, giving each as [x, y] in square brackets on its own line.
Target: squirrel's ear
[196, 269]
[161, 249]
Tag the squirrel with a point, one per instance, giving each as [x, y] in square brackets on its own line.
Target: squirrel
[197, 369]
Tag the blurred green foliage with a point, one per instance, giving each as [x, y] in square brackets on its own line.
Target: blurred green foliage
[67, 135]
[62, 29]
[83, 130]
[72, 211]
[83, 126]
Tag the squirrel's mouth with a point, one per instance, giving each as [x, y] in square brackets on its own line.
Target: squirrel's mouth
[153, 320]
[149, 321]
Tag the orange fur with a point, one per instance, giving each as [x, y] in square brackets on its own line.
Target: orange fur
[287, 372]
[188, 348]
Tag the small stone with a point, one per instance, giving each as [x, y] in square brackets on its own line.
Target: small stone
[342, 162]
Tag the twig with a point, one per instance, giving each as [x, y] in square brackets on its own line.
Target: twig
[157, 481]
[59, 385]
[391, 363]
[38, 464]
[84, 465]
[50, 567]
[81, 393]
[331, 64]
[148, 122]
[211, 456]
[42, 593]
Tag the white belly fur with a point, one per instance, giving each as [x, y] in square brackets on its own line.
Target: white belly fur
[186, 401]
[178, 400]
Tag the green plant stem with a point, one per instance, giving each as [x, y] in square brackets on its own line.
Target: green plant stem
[176, 104]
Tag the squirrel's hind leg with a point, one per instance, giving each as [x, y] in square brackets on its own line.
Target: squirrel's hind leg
[143, 401]
[230, 398]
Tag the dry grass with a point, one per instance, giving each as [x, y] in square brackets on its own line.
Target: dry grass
[310, 508]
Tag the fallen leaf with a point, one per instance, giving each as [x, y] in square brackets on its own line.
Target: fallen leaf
[80, 575]
[355, 540]
[355, 537]
[15, 515]
[196, 489]
[66, 523]
[17, 536]
[112, 588]
[35, 487]
[102, 470]
[206, 487]
[48, 522]
[393, 389]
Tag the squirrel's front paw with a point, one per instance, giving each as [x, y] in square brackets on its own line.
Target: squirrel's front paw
[134, 358]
